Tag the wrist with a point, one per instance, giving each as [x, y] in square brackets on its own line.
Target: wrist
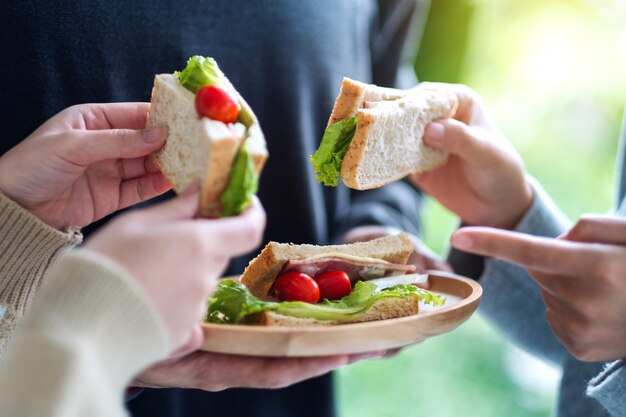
[518, 211]
[508, 211]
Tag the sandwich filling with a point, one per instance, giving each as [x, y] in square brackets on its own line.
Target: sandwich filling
[232, 303]
[329, 156]
[243, 180]
[355, 269]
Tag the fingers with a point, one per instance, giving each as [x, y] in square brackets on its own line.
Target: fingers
[182, 207]
[98, 116]
[88, 147]
[470, 106]
[598, 228]
[141, 189]
[240, 234]
[455, 137]
[137, 167]
[274, 372]
[230, 236]
[531, 252]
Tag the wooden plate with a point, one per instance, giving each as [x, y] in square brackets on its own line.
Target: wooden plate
[463, 296]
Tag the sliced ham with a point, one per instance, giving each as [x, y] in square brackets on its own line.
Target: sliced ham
[356, 270]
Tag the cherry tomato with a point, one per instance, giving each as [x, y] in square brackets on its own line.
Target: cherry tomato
[333, 284]
[216, 103]
[296, 286]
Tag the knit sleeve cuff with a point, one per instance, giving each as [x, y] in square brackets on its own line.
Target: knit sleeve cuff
[609, 388]
[91, 300]
[543, 218]
[27, 248]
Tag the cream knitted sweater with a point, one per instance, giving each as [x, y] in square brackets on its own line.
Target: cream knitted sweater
[89, 329]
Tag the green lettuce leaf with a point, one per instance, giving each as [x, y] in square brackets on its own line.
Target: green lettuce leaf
[200, 71]
[328, 158]
[243, 183]
[233, 301]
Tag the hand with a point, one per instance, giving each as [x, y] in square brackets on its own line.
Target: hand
[422, 257]
[85, 163]
[483, 181]
[217, 372]
[582, 276]
[177, 259]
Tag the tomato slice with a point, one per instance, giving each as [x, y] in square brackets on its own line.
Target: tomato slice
[216, 103]
[333, 284]
[296, 286]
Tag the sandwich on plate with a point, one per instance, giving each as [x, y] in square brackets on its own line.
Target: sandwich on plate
[305, 285]
[214, 139]
[374, 134]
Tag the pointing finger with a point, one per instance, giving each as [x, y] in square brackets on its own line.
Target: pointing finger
[531, 252]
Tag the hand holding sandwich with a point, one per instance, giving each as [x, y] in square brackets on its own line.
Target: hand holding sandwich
[483, 181]
[580, 275]
[177, 259]
[85, 163]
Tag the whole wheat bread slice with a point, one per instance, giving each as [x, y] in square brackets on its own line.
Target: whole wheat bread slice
[262, 271]
[197, 150]
[381, 310]
[387, 144]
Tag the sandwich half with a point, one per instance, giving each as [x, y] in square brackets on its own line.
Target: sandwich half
[374, 134]
[224, 159]
[381, 285]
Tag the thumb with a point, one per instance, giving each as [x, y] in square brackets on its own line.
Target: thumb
[182, 207]
[99, 145]
[456, 137]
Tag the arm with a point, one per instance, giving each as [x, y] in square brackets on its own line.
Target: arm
[81, 165]
[89, 331]
[484, 183]
[27, 248]
[107, 311]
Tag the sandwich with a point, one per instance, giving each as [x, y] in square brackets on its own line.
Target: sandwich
[214, 139]
[374, 134]
[309, 285]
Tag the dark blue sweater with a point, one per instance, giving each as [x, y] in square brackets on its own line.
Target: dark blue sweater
[286, 57]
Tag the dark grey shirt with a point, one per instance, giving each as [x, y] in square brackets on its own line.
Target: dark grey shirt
[287, 57]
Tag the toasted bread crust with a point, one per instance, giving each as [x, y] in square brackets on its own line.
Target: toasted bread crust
[348, 101]
[262, 271]
[357, 147]
[217, 174]
[352, 95]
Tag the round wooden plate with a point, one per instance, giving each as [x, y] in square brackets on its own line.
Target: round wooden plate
[463, 296]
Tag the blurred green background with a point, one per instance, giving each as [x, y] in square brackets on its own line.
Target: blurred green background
[553, 74]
